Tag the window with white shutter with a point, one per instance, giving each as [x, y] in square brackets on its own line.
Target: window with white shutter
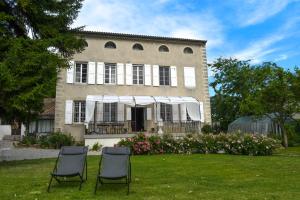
[137, 74]
[70, 72]
[80, 72]
[155, 75]
[120, 72]
[173, 76]
[91, 72]
[147, 74]
[100, 72]
[164, 75]
[201, 112]
[189, 77]
[79, 111]
[110, 73]
[68, 111]
[129, 74]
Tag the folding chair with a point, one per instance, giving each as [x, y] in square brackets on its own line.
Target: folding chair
[71, 162]
[114, 165]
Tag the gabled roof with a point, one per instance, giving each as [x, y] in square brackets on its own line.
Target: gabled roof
[142, 37]
[48, 108]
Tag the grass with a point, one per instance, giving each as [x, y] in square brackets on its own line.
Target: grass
[167, 177]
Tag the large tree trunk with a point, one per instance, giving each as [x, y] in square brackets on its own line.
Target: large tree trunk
[284, 136]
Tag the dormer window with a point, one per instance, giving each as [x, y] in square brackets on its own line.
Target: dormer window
[137, 47]
[188, 50]
[163, 48]
[110, 45]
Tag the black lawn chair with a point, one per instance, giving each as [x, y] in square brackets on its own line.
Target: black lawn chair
[114, 165]
[71, 162]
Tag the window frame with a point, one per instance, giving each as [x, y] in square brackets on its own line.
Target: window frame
[137, 47]
[81, 72]
[108, 115]
[166, 112]
[79, 115]
[163, 48]
[110, 74]
[162, 77]
[188, 50]
[110, 45]
[140, 75]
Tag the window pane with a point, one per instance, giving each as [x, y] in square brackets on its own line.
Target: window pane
[84, 73]
[76, 112]
[77, 73]
[113, 112]
[113, 74]
[106, 107]
[82, 114]
[106, 74]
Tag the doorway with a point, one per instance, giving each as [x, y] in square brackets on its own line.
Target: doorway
[137, 123]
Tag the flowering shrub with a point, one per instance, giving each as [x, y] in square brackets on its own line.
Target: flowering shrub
[237, 144]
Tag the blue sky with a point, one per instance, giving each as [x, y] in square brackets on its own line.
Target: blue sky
[260, 30]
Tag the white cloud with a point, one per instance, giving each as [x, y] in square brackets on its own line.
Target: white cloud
[144, 17]
[252, 12]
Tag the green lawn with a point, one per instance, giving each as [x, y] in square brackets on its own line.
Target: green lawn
[167, 177]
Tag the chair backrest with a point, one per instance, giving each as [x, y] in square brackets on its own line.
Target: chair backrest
[116, 151]
[71, 158]
[73, 150]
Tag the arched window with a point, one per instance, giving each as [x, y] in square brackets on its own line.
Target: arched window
[110, 45]
[137, 47]
[188, 50]
[163, 48]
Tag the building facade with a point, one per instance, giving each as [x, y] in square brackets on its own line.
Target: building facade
[123, 83]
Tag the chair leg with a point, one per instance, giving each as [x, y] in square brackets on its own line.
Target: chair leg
[128, 182]
[48, 190]
[96, 186]
[81, 181]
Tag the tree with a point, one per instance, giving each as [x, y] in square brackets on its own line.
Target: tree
[278, 98]
[243, 89]
[36, 41]
[233, 81]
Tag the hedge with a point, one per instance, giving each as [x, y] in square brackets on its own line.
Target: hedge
[237, 144]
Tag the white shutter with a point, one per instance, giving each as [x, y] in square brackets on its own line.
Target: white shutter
[147, 74]
[99, 113]
[120, 72]
[128, 113]
[120, 112]
[155, 75]
[183, 112]
[201, 112]
[69, 112]
[158, 117]
[175, 113]
[129, 74]
[91, 72]
[70, 72]
[173, 76]
[189, 77]
[100, 71]
[149, 113]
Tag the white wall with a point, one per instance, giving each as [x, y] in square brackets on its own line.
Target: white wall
[105, 142]
[4, 130]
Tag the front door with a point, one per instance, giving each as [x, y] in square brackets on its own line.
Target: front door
[137, 115]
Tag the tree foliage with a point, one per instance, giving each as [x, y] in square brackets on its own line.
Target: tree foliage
[244, 89]
[36, 41]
